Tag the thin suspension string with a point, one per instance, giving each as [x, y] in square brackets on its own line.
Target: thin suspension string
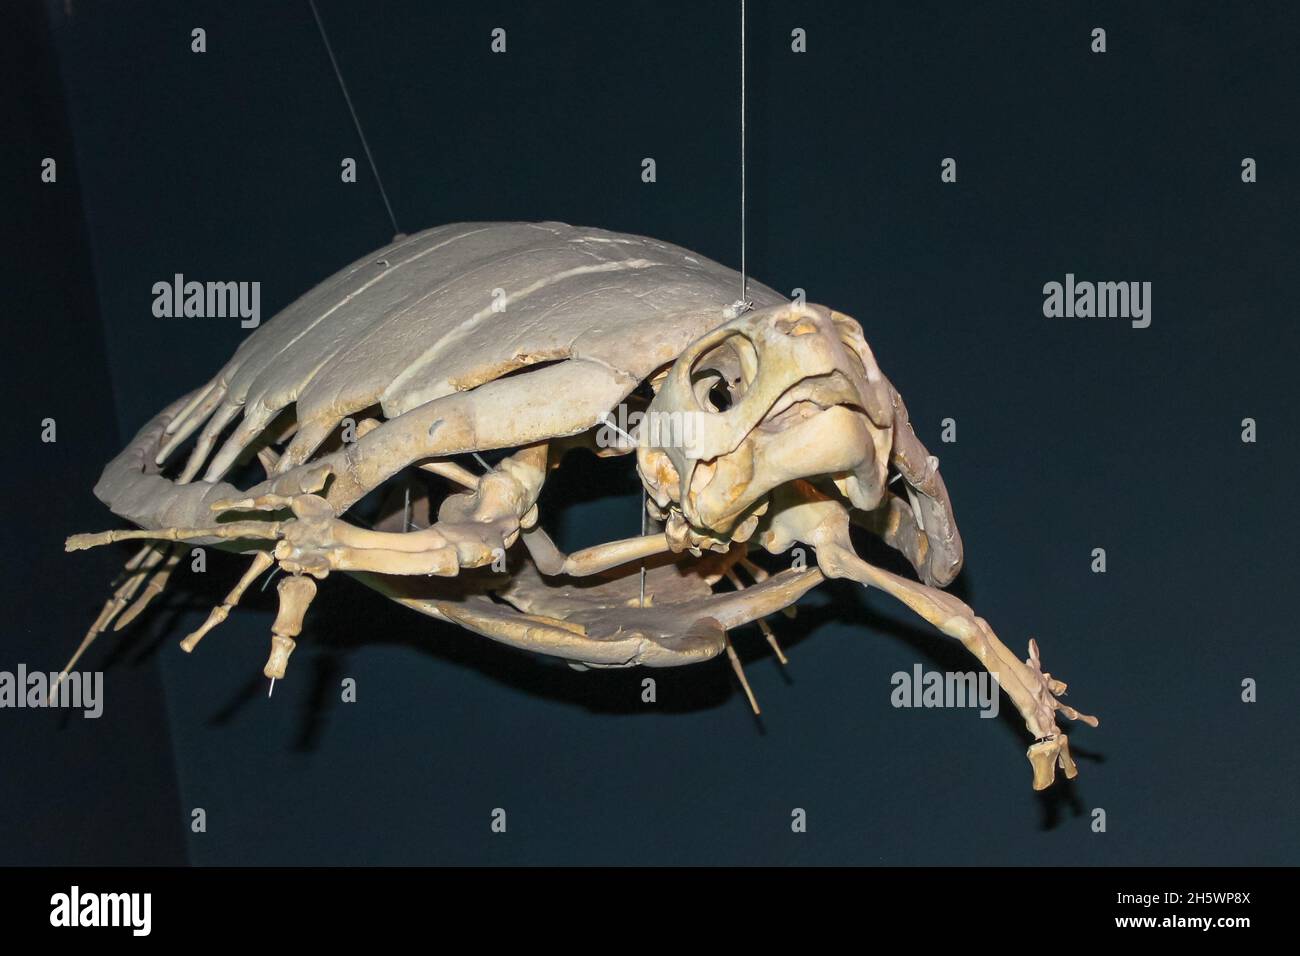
[744, 274]
[355, 121]
[645, 529]
[383, 194]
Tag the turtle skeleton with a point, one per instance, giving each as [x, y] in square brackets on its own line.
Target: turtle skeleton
[524, 339]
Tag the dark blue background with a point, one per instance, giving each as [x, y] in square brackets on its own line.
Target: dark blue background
[1072, 434]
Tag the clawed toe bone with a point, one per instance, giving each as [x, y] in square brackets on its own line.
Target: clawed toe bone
[1045, 755]
[261, 562]
[157, 584]
[296, 594]
[1052, 750]
[1051, 689]
[133, 576]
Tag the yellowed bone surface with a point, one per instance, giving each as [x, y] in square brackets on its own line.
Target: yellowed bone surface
[450, 374]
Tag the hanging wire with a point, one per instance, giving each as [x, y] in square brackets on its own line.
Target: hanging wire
[355, 121]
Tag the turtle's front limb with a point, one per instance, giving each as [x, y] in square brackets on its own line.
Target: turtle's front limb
[1032, 691]
[824, 524]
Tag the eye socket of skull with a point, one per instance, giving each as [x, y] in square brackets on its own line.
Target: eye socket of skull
[722, 374]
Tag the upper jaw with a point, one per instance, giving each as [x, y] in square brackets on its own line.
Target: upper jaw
[833, 441]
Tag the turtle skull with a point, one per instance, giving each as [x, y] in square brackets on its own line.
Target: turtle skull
[787, 392]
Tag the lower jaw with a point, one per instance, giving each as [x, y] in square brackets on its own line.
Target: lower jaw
[720, 533]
